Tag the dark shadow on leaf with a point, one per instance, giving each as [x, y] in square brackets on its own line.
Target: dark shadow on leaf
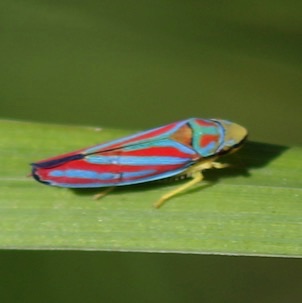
[252, 155]
[256, 154]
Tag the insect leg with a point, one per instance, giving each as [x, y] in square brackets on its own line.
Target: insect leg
[194, 172]
[103, 193]
[220, 165]
[197, 177]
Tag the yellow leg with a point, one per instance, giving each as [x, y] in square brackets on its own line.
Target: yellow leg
[219, 165]
[194, 172]
[103, 193]
[197, 177]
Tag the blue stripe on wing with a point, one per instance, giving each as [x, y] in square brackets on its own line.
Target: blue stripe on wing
[88, 174]
[82, 174]
[134, 160]
[162, 143]
[117, 179]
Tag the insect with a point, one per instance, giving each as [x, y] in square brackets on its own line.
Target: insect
[181, 149]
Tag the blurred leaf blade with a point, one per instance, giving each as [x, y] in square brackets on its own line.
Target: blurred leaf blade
[253, 208]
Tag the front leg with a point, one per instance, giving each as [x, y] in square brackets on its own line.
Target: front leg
[195, 172]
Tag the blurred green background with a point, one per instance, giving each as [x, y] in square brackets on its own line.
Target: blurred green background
[138, 64]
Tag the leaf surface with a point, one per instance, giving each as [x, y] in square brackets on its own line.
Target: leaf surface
[253, 207]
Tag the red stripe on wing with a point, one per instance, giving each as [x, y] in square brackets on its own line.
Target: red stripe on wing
[122, 143]
[44, 174]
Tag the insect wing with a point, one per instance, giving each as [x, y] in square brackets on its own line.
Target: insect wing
[147, 156]
[139, 138]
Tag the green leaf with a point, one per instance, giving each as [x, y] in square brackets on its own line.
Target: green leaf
[252, 208]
